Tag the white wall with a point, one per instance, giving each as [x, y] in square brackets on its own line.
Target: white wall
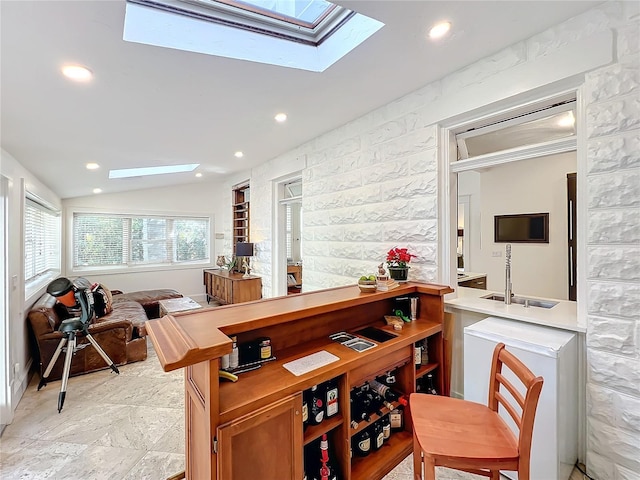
[528, 186]
[16, 360]
[206, 198]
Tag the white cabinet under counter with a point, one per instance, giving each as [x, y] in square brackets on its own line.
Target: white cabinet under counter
[472, 305]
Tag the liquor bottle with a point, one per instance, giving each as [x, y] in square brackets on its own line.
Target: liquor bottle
[430, 387]
[233, 357]
[316, 406]
[417, 354]
[396, 416]
[424, 354]
[331, 398]
[386, 427]
[327, 469]
[362, 443]
[378, 435]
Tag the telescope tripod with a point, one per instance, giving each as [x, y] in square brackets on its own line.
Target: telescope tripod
[70, 329]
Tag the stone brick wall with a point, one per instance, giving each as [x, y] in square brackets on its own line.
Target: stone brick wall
[612, 98]
[373, 184]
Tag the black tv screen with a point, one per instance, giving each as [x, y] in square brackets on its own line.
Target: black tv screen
[525, 228]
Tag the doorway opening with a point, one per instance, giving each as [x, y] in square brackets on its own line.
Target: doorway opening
[289, 241]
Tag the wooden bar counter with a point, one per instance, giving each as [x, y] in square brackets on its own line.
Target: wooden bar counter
[253, 428]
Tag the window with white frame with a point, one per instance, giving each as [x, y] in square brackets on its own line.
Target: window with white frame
[41, 241]
[113, 240]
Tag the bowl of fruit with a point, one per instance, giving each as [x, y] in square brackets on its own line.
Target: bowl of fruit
[367, 284]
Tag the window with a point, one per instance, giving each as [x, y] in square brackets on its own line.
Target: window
[110, 240]
[306, 34]
[41, 241]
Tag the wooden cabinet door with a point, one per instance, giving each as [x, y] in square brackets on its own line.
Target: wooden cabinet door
[265, 444]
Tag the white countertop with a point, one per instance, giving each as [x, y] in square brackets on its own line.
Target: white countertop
[563, 315]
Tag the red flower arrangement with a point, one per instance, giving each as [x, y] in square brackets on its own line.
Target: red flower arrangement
[399, 257]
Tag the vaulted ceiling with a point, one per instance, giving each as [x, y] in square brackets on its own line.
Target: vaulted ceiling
[150, 106]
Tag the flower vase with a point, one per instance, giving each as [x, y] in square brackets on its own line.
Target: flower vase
[399, 274]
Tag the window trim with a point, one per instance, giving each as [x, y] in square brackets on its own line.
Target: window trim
[134, 268]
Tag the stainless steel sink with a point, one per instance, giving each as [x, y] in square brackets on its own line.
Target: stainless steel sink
[521, 301]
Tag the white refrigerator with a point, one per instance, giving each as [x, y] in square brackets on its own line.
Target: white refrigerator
[550, 353]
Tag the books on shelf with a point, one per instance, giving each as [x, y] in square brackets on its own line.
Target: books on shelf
[384, 285]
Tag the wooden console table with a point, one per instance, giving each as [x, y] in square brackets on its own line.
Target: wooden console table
[231, 428]
[227, 287]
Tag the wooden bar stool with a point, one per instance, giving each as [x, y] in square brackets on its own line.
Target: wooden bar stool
[469, 436]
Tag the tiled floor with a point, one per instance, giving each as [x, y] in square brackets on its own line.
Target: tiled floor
[113, 427]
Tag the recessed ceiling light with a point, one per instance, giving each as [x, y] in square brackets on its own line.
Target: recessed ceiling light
[238, 154]
[439, 30]
[198, 174]
[97, 190]
[281, 117]
[139, 172]
[77, 73]
[92, 166]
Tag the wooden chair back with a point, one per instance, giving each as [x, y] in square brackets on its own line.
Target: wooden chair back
[522, 414]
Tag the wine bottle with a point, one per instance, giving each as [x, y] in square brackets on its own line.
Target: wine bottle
[378, 435]
[386, 427]
[362, 443]
[424, 354]
[316, 407]
[358, 412]
[384, 391]
[430, 387]
[331, 398]
[417, 354]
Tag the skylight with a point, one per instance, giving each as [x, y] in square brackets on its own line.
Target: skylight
[142, 171]
[305, 34]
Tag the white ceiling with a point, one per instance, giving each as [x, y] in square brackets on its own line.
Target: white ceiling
[150, 106]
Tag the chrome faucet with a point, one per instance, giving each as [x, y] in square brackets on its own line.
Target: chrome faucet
[508, 288]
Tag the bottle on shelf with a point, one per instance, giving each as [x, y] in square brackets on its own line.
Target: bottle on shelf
[384, 391]
[233, 357]
[386, 427]
[388, 378]
[396, 417]
[417, 354]
[331, 398]
[362, 443]
[316, 406]
[328, 471]
[424, 354]
[358, 406]
[377, 435]
[429, 386]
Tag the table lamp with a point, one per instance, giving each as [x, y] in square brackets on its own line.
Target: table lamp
[244, 250]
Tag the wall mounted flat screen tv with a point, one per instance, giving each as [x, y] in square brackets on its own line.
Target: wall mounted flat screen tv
[523, 228]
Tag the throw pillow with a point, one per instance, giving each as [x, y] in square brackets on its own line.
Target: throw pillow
[102, 301]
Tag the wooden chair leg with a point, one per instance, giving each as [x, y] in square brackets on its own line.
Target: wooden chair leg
[429, 468]
[417, 460]
[495, 475]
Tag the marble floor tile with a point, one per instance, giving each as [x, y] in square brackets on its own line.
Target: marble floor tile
[158, 465]
[41, 460]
